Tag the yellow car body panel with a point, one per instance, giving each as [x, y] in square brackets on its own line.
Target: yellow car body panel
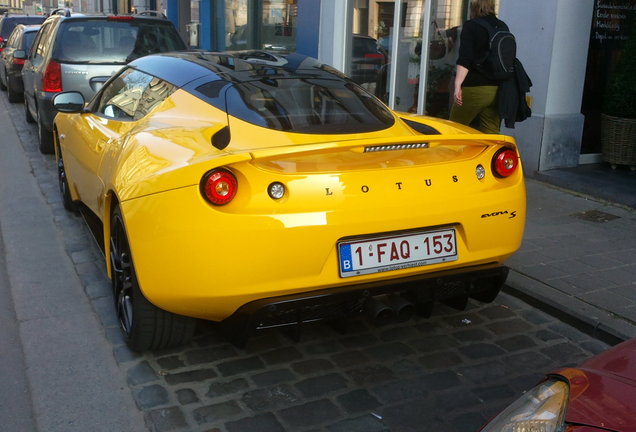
[196, 259]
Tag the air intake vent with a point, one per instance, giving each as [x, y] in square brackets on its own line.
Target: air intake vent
[391, 147]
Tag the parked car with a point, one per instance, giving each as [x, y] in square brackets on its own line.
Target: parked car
[12, 60]
[80, 52]
[367, 59]
[261, 193]
[9, 21]
[599, 395]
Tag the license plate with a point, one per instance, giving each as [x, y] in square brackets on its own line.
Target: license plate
[381, 254]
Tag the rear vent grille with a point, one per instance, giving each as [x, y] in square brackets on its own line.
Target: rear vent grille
[391, 147]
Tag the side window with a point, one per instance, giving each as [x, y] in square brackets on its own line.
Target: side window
[38, 48]
[132, 95]
[13, 39]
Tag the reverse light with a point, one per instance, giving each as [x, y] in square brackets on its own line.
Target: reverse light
[276, 190]
[480, 171]
[541, 409]
[219, 186]
[505, 162]
[52, 80]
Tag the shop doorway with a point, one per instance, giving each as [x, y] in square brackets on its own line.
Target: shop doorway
[612, 24]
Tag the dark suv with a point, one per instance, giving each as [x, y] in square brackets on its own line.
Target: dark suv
[9, 21]
[81, 52]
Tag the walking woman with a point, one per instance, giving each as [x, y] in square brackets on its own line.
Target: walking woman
[475, 94]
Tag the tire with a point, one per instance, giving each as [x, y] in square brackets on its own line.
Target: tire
[27, 114]
[46, 139]
[143, 325]
[11, 94]
[68, 202]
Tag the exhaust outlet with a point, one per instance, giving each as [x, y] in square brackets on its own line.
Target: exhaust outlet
[402, 308]
[378, 311]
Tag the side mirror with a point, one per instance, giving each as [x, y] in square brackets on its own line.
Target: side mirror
[69, 102]
[19, 54]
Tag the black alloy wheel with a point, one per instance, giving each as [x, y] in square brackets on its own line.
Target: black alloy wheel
[144, 326]
[68, 202]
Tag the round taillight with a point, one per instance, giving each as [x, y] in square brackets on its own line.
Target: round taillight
[505, 162]
[219, 186]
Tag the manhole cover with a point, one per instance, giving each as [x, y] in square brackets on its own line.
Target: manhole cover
[596, 216]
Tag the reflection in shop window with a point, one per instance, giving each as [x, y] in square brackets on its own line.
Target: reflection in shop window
[267, 24]
[376, 19]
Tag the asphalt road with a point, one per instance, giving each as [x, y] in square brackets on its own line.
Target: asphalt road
[450, 372]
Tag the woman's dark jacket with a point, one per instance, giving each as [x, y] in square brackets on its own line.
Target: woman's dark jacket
[511, 97]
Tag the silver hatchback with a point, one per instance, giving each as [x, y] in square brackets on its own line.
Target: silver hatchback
[81, 52]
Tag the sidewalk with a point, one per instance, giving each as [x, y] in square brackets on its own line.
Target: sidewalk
[578, 261]
[59, 341]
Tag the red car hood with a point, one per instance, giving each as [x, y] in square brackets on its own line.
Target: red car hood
[603, 390]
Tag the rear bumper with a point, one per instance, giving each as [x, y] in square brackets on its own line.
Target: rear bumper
[482, 283]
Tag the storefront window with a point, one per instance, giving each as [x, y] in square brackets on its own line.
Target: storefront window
[267, 24]
[374, 69]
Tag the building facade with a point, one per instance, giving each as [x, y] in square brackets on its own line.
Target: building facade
[568, 48]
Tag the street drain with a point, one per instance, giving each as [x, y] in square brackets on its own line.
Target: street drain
[596, 216]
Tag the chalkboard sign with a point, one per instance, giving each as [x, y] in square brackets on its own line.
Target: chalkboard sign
[612, 20]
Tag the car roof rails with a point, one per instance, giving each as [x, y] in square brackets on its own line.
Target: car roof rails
[152, 13]
[62, 11]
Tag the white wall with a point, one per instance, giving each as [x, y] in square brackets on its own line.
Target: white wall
[334, 40]
[552, 43]
[569, 56]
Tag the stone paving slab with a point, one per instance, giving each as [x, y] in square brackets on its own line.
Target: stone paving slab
[578, 261]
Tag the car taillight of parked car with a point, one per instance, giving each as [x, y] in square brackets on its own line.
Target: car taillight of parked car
[2, 41]
[505, 162]
[52, 80]
[219, 186]
[17, 61]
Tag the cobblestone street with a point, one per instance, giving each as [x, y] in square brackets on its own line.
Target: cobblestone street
[447, 373]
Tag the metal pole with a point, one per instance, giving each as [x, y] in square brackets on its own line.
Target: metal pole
[395, 42]
[426, 37]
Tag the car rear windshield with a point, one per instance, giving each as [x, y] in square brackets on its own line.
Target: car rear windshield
[27, 39]
[308, 105]
[114, 41]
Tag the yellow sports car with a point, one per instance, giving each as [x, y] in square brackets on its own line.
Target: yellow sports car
[260, 191]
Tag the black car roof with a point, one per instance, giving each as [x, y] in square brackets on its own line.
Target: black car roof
[182, 68]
